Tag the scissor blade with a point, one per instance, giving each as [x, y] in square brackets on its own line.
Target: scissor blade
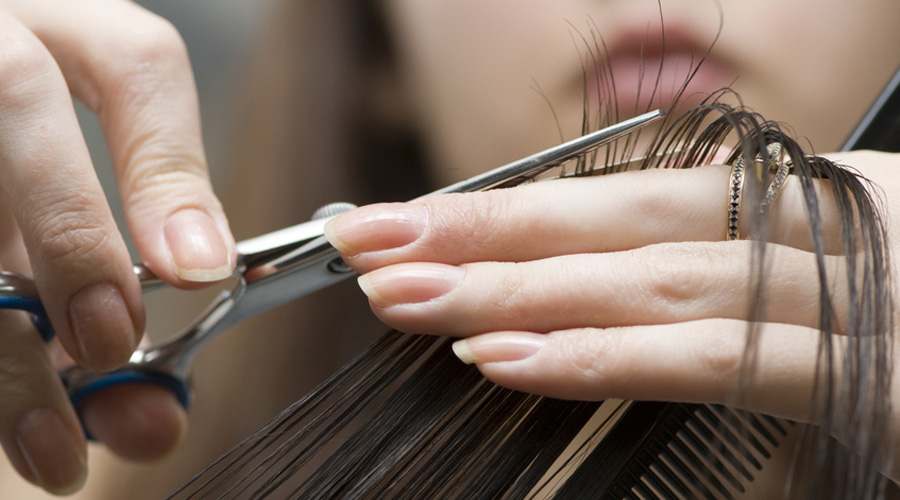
[269, 246]
[288, 264]
[316, 264]
[533, 165]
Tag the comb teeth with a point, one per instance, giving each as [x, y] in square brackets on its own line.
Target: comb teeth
[668, 450]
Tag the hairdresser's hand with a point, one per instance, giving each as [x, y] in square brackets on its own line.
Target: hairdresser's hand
[131, 68]
[617, 286]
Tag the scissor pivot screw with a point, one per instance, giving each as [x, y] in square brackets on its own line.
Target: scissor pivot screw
[339, 266]
[332, 209]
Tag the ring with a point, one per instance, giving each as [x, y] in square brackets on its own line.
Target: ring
[774, 164]
[782, 169]
[735, 193]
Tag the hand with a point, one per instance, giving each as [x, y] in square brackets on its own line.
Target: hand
[132, 69]
[618, 286]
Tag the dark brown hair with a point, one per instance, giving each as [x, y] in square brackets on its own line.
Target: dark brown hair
[318, 134]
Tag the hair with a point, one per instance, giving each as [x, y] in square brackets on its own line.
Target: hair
[405, 419]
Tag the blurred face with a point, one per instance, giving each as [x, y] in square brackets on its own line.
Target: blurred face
[472, 67]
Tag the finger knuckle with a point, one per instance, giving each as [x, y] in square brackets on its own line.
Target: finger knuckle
[156, 171]
[73, 235]
[19, 365]
[678, 276]
[25, 66]
[592, 356]
[151, 58]
[152, 42]
[654, 205]
[13, 370]
[721, 355]
[474, 219]
[651, 206]
[510, 292]
[14, 374]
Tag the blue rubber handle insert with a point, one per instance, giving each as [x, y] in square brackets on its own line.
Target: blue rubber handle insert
[38, 314]
[124, 377]
[177, 387]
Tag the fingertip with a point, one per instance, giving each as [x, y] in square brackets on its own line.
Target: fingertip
[137, 422]
[522, 361]
[332, 232]
[462, 351]
[103, 327]
[200, 251]
[509, 359]
[500, 347]
[410, 283]
[53, 451]
[373, 228]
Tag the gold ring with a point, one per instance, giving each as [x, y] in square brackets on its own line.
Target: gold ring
[735, 193]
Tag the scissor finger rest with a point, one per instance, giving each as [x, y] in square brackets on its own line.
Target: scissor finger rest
[96, 382]
[19, 292]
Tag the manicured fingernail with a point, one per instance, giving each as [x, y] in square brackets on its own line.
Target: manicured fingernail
[377, 227]
[498, 347]
[410, 283]
[197, 247]
[102, 325]
[55, 457]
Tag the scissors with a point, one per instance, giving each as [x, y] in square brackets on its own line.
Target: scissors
[271, 269]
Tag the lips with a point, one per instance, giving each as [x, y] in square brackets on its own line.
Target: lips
[649, 68]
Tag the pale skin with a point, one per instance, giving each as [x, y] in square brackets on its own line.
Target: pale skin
[602, 288]
[131, 68]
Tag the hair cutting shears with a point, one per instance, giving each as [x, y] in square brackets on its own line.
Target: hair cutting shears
[271, 269]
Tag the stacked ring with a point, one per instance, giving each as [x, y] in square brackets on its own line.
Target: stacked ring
[735, 193]
[775, 164]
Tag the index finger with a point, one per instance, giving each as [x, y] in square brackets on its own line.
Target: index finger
[81, 265]
[131, 67]
[598, 214]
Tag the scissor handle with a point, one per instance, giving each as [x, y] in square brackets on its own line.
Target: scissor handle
[38, 314]
[19, 292]
[83, 391]
[81, 388]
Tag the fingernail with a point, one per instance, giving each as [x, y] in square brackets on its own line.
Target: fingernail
[409, 283]
[197, 247]
[498, 347]
[55, 457]
[102, 325]
[377, 227]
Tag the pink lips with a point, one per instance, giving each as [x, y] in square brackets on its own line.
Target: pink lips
[649, 68]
